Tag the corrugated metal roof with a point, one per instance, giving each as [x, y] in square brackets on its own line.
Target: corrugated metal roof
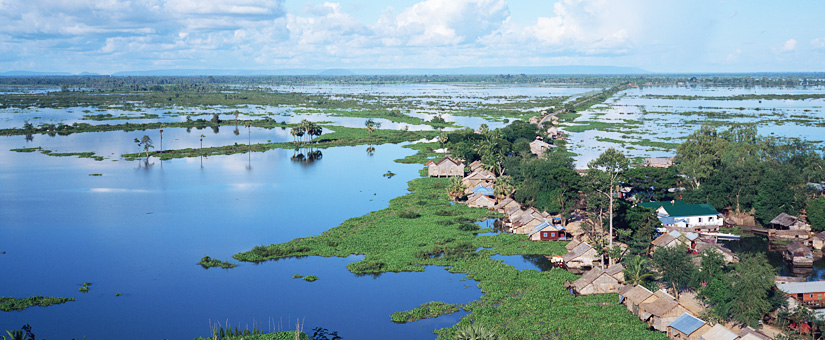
[682, 210]
[801, 287]
[656, 205]
[687, 323]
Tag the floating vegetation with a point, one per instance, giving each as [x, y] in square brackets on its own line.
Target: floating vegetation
[310, 278]
[85, 287]
[208, 262]
[8, 304]
[95, 174]
[389, 174]
[428, 310]
[297, 276]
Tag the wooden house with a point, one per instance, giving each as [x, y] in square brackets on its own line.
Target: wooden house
[811, 294]
[727, 254]
[687, 327]
[505, 203]
[538, 147]
[670, 239]
[798, 254]
[446, 167]
[480, 201]
[719, 332]
[789, 222]
[661, 311]
[660, 162]
[818, 241]
[547, 231]
[582, 256]
[633, 296]
[748, 333]
[600, 281]
[480, 176]
[475, 165]
[572, 244]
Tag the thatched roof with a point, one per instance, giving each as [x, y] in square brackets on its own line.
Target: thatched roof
[588, 278]
[784, 220]
[572, 244]
[475, 165]
[579, 250]
[748, 333]
[617, 271]
[446, 159]
[637, 294]
[663, 240]
[501, 204]
[660, 306]
[797, 247]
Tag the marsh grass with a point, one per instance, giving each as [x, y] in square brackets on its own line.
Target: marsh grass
[8, 304]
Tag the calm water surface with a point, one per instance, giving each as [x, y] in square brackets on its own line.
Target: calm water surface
[139, 229]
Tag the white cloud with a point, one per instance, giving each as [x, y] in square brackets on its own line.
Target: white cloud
[443, 22]
[789, 45]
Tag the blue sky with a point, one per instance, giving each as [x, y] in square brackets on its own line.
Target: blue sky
[107, 36]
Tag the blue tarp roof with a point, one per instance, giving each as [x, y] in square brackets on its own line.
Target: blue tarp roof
[539, 227]
[687, 323]
[480, 189]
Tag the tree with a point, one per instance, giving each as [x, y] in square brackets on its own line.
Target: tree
[699, 154]
[492, 150]
[202, 136]
[753, 280]
[637, 271]
[603, 174]
[816, 213]
[503, 186]
[675, 267]
[456, 188]
[778, 192]
[146, 143]
[653, 182]
[372, 125]
[296, 132]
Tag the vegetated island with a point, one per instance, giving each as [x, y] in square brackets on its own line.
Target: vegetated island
[8, 304]
[208, 262]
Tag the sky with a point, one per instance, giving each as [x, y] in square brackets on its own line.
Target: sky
[668, 36]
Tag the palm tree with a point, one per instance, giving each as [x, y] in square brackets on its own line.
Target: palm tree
[636, 270]
[161, 139]
[146, 143]
[456, 188]
[503, 186]
[371, 125]
[475, 331]
[296, 132]
[202, 142]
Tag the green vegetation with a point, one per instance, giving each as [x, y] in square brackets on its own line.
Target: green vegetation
[60, 154]
[85, 287]
[391, 243]
[428, 310]
[208, 262]
[310, 278]
[8, 304]
[784, 96]
[249, 335]
[342, 136]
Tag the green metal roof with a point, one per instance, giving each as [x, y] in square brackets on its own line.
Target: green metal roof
[680, 209]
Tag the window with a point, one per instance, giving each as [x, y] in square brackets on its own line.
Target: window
[710, 218]
[700, 220]
[552, 234]
[544, 234]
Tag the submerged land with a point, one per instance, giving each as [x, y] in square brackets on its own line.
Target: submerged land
[425, 227]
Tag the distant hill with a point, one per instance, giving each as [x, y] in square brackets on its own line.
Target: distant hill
[33, 74]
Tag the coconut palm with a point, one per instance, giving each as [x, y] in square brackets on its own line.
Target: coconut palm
[637, 270]
[202, 136]
[503, 186]
[456, 188]
[146, 143]
[371, 125]
[475, 331]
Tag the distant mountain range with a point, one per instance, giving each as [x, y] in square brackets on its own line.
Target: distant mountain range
[348, 72]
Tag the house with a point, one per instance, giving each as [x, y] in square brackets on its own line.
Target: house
[538, 147]
[798, 254]
[727, 254]
[718, 332]
[475, 165]
[633, 296]
[480, 201]
[446, 167]
[505, 204]
[547, 231]
[582, 256]
[572, 244]
[661, 162]
[687, 327]
[810, 293]
[789, 222]
[482, 190]
[818, 241]
[670, 239]
[600, 281]
[748, 333]
[699, 217]
[554, 132]
[660, 309]
[480, 176]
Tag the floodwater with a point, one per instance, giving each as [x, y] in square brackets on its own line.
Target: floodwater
[139, 229]
[639, 114]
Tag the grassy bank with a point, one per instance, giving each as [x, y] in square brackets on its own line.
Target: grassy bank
[8, 304]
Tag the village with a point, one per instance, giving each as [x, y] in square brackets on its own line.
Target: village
[695, 229]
